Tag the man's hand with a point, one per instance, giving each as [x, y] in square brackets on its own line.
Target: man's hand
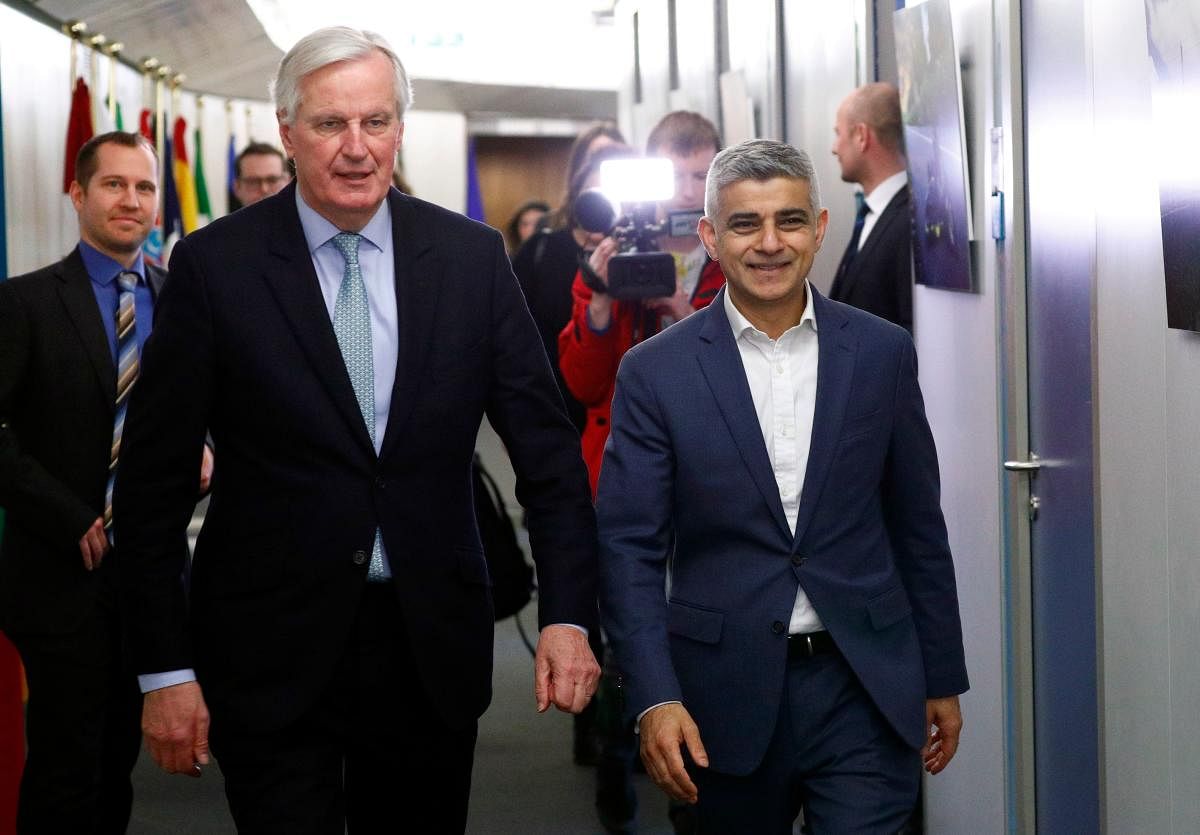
[206, 469]
[93, 545]
[175, 726]
[662, 730]
[565, 672]
[943, 723]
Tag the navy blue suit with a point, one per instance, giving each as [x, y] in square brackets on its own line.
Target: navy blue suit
[687, 480]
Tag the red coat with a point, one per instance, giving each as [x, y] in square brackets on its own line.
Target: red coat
[589, 360]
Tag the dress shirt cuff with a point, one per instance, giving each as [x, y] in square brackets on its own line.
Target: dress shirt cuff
[637, 726]
[157, 681]
[598, 331]
[572, 625]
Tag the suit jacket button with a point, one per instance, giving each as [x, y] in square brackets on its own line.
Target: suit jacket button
[380, 483]
[797, 560]
[360, 557]
[777, 627]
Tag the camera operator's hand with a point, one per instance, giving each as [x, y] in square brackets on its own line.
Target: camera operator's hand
[600, 307]
[678, 306]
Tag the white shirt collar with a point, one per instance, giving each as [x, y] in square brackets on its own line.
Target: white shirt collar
[741, 324]
[318, 231]
[884, 192]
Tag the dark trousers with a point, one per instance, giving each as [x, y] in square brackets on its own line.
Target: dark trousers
[372, 756]
[832, 754]
[82, 727]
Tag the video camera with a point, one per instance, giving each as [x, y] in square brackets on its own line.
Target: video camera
[638, 270]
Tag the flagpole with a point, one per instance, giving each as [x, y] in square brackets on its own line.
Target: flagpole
[149, 65]
[74, 30]
[96, 44]
[160, 107]
[114, 49]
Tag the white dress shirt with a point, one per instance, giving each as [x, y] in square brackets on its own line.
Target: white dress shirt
[878, 201]
[782, 374]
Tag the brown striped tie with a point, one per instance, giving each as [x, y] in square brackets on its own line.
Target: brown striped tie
[127, 371]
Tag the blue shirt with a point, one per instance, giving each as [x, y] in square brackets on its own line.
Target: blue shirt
[103, 272]
[379, 274]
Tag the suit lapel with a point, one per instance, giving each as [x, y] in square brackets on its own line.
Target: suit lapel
[836, 349]
[896, 209]
[293, 281]
[79, 300]
[155, 278]
[722, 367]
[418, 273]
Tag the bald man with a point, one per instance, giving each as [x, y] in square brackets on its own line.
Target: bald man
[875, 273]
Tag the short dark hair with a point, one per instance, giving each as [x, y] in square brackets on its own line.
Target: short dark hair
[86, 162]
[255, 149]
[683, 132]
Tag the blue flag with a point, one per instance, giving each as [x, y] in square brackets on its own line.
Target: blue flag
[474, 197]
[230, 174]
[172, 219]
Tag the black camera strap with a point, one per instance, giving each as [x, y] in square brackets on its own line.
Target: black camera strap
[590, 277]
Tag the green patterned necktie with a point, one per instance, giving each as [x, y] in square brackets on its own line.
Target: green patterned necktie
[352, 326]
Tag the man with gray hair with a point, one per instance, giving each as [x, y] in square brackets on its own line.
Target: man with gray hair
[342, 342]
[771, 454]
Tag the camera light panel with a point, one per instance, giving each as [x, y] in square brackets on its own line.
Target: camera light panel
[638, 180]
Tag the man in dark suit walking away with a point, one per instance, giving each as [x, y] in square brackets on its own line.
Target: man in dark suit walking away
[771, 467]
[70, 338]
[875, 273]
[342, 342]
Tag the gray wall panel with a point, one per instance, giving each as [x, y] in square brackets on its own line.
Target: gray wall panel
[1137, 677]
[696, 39]
[821, 46]
[958, 345]
[753, 49]
[1183, 578]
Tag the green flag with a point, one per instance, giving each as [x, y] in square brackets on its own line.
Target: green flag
[202, 204]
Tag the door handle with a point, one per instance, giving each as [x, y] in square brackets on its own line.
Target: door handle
[1031, 466]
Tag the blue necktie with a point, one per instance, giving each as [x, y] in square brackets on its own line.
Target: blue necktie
[127, 371]
[352, 327]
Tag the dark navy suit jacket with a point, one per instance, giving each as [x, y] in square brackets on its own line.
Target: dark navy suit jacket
[687, 482]
[58, 391]
[243, 345]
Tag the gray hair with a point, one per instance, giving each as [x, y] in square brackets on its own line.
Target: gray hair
[329, 46]
[761, 160]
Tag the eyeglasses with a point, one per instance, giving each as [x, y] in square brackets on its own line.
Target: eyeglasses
[261, 182]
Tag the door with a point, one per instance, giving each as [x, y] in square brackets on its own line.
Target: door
[1059, 499]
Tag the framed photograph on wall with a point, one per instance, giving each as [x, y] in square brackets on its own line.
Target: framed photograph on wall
[1173, 39]
[935, 143]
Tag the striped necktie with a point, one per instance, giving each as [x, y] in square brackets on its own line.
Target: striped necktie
[352, 327]
[127, 372]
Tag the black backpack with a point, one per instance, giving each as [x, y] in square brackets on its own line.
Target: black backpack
[511, 573]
